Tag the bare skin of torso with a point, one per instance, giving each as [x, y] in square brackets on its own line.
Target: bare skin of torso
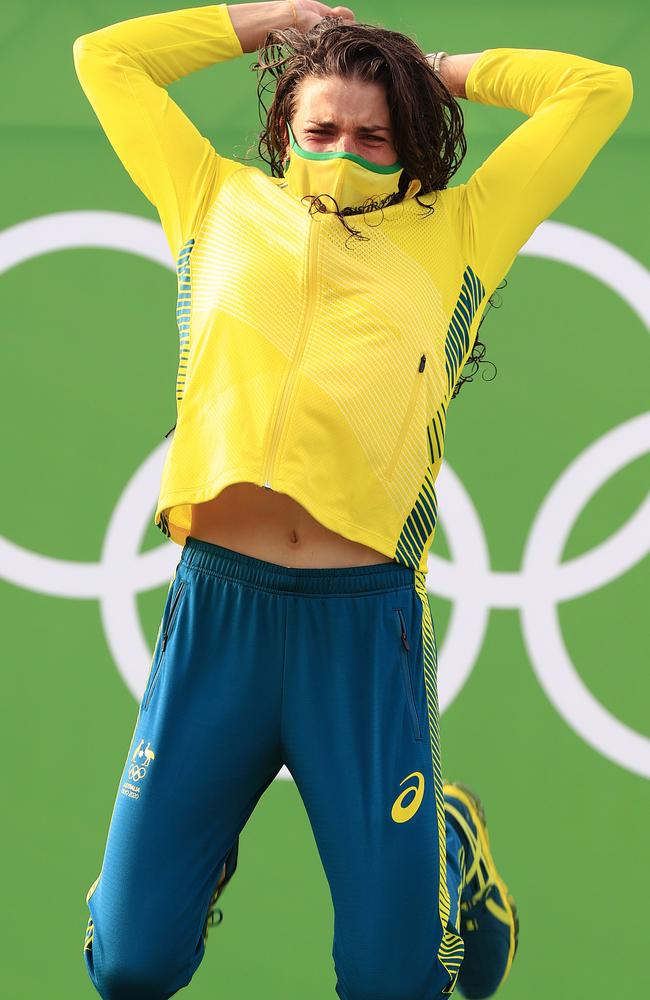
[268, 525]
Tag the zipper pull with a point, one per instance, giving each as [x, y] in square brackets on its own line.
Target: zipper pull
[169, 431]
[423, 361]
[402, 625]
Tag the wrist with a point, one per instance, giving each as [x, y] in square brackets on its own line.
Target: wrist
[253, 21]
[443, 66]
[449, 76]
[453, 69]
[436, 59]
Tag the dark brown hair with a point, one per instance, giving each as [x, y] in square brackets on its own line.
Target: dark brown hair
[427, 121]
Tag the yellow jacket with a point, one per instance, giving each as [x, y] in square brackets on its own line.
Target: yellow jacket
[320, 368]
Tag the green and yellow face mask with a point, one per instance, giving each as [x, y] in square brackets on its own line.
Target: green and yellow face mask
[346, 177]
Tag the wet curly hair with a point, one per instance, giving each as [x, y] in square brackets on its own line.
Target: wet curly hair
[427, 120]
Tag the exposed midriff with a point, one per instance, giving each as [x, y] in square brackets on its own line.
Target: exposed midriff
[265, 524]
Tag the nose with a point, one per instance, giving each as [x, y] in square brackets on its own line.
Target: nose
[346, 144]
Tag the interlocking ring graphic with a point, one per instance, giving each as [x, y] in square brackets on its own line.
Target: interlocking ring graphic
[467, 579]
[137, 773]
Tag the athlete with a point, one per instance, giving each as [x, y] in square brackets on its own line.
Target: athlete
[325, 315]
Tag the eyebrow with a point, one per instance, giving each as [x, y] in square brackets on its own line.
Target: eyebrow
[361, 128]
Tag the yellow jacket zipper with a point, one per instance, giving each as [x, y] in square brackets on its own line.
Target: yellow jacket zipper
[417, 381]
[293, 373]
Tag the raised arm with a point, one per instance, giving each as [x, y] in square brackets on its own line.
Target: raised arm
[123, 70]
[574, 105]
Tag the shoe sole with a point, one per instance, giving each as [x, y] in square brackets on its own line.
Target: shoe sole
[475, 805]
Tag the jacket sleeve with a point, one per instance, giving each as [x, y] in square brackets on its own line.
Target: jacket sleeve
[573, 105]
[123, 70]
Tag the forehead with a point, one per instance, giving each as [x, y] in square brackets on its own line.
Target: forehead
[342, 100]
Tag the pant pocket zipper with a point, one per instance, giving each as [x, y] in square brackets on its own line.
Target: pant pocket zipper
[172, 613]
[170, 623]
[406, 673]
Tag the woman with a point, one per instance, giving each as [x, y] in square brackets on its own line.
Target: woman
[325, 316]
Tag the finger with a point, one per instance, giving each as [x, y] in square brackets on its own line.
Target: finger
[325, 11]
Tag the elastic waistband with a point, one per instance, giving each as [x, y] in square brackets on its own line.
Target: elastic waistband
[300, 580]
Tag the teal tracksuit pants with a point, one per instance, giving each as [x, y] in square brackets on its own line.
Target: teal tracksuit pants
[333, 673]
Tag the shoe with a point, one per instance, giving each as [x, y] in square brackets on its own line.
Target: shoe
[489, 924]
[212, 909]
[231, 865]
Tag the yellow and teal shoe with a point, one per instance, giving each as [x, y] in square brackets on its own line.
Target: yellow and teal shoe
[489, 925]
[210, 920]
[224, 879]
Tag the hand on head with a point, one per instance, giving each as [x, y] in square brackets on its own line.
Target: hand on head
[310, 12]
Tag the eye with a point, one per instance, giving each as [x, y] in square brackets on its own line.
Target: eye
[327, 132]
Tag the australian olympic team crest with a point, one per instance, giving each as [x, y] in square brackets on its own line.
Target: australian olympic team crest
[138, 767]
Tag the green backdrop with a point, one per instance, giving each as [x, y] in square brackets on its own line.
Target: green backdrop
[550, 719]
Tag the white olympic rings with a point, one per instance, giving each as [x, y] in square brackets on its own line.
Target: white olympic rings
[467, 580]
